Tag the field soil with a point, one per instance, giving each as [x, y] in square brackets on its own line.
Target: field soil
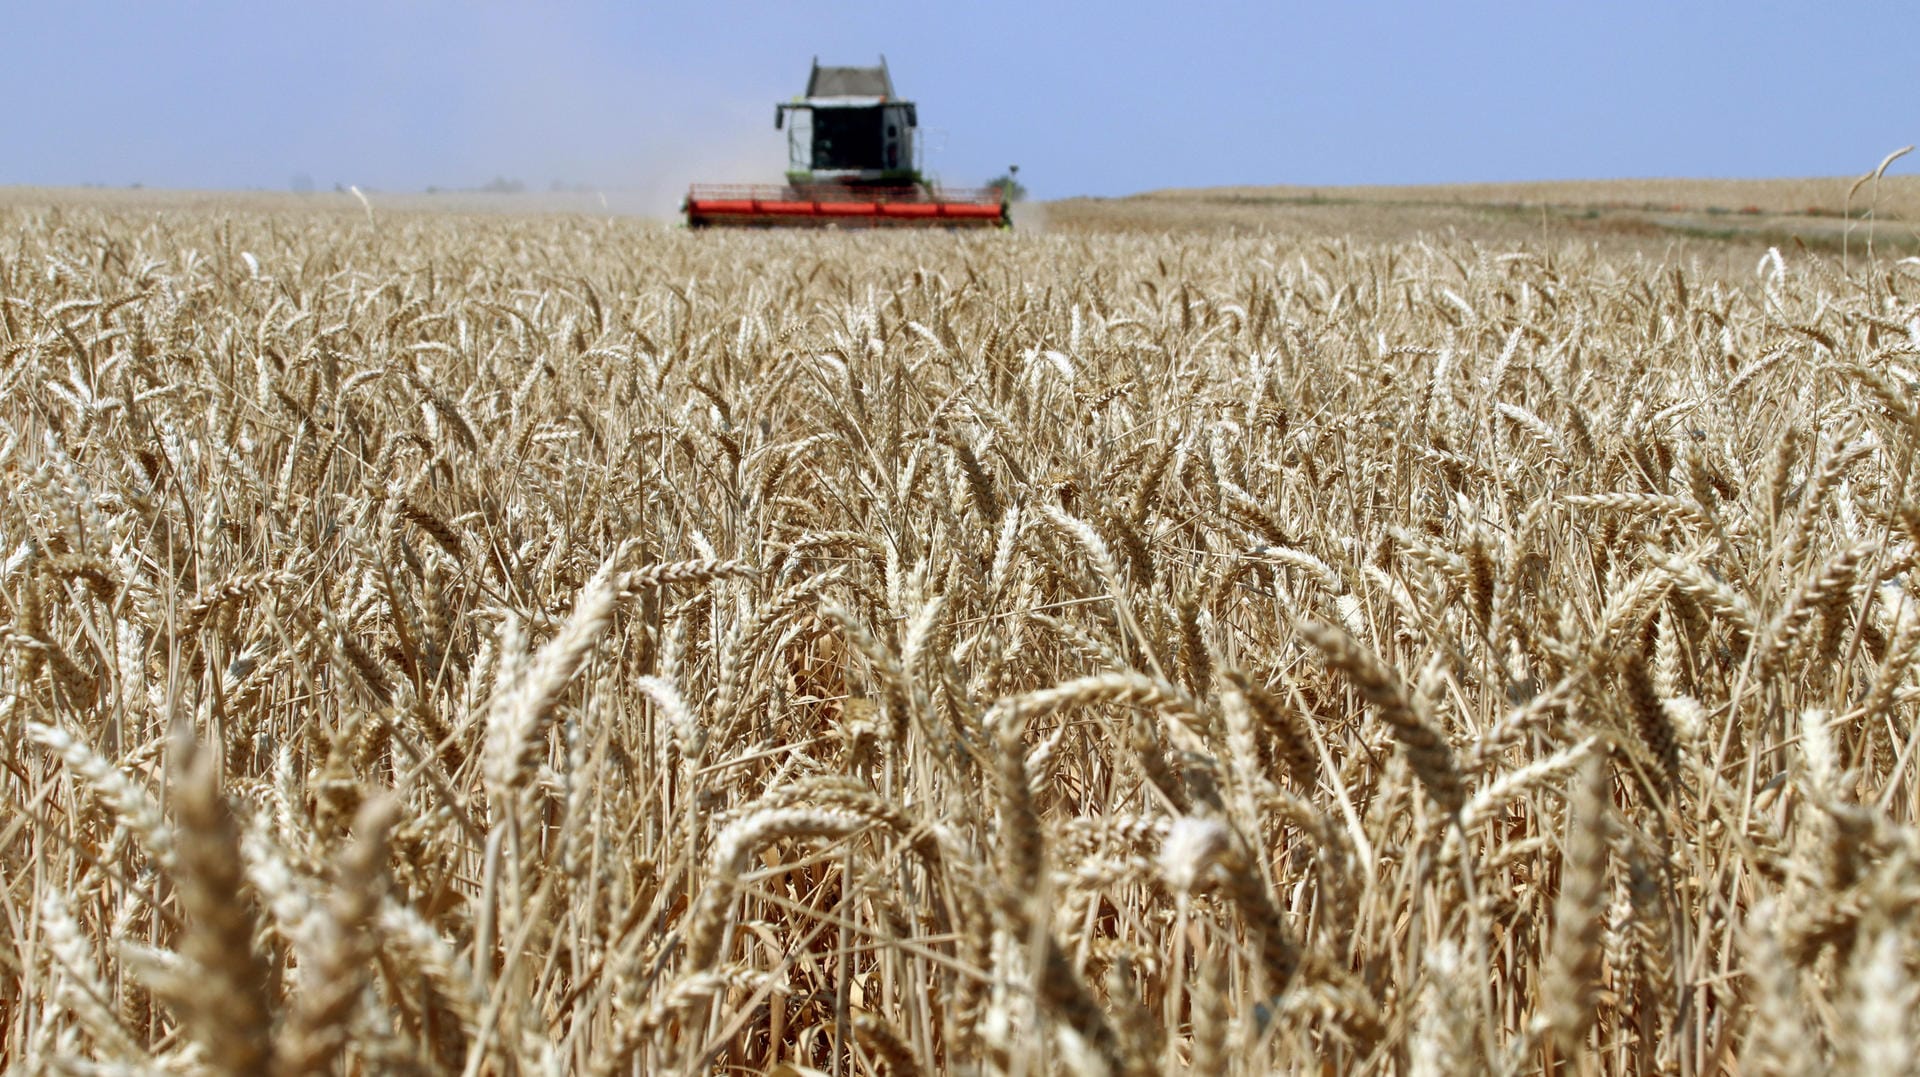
[1677, 214]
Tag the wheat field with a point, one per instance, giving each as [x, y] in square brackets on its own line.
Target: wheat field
[502, 645]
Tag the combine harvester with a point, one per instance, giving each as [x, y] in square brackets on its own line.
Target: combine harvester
[851, 162]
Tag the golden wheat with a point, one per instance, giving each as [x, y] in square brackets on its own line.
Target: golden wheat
[484, 645]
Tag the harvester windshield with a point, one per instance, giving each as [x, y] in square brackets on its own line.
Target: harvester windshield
[845, 138]
[862, 143]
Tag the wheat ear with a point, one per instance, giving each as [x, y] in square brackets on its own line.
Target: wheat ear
[226, 1007]
[1428, 752]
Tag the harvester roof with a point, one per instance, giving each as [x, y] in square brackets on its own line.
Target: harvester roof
[849, 81]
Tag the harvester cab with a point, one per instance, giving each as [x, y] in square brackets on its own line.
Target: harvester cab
[852, 160]
[849, 129]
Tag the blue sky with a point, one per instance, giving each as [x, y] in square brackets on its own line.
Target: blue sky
[1095, 98]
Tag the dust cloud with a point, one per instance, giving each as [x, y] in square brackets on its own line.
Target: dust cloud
[573, 121]
[1029, 216]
